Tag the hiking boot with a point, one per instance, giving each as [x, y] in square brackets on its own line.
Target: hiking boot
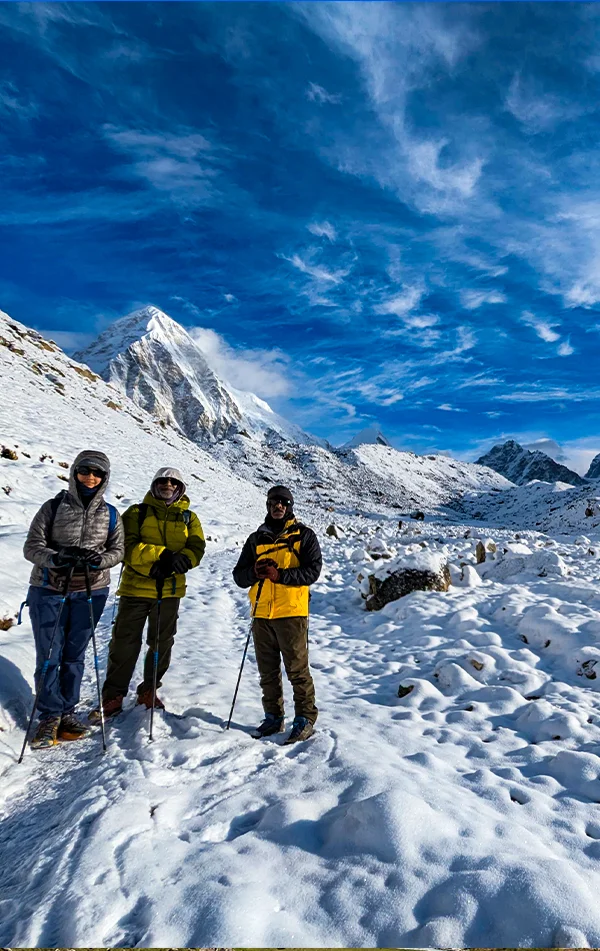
[110, 708]
[270, 725]
[71, 728]
[46, 734]
[302, 728]
[145, 697]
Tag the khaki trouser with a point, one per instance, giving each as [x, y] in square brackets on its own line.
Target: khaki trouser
[126, 643]
[285, 637]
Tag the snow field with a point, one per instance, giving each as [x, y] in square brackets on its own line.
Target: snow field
[465, 812]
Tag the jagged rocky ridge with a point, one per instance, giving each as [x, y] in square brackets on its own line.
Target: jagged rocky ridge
[520, 465]
[594, 469]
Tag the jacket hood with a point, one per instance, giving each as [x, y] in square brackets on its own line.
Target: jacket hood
[90, 457]
[168, 472]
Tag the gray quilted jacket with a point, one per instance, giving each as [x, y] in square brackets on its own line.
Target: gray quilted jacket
[75, 525]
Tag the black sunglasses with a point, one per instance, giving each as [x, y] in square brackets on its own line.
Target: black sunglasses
[90, 470]
[168, 481]
[274, 499]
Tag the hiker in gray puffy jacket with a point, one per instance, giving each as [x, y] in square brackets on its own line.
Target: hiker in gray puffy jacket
[76, 527]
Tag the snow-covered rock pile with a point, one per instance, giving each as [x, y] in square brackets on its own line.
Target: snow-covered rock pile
[420, 570]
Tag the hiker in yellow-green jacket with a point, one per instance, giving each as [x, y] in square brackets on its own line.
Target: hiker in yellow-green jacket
[163, 540]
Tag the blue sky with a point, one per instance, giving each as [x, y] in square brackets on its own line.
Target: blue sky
[375, 212]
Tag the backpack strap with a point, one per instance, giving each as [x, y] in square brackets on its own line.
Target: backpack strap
[54, 504]
[112, 518]
[142, 512]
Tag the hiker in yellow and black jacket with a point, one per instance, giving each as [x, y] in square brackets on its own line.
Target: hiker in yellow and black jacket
[163, 540]
[278, 563]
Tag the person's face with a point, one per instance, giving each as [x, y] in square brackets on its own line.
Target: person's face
[277, 506]
[166, 488]
[89, 476]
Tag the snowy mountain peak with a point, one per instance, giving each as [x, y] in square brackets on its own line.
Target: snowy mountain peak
[156, 362]
[371, 435]
[521, 465]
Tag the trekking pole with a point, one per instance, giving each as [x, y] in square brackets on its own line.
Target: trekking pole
[46, 663]
[116, 600]
[88, 591]
[258, 594]
[159, 591]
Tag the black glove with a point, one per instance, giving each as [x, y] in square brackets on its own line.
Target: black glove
[166, 562]
[157, 571]
[67, 557]
[181, 563]
[91, 557]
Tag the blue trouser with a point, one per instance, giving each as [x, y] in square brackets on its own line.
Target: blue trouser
[60, 691]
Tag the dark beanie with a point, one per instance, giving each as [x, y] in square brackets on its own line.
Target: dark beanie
[282, 491]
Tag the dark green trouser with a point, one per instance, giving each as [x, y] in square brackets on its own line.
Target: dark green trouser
[285, 637]
[126, 643]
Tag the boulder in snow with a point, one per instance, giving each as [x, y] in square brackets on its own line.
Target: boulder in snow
[419, 571]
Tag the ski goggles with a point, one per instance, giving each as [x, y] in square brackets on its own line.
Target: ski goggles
[278, 499]
[90, 470]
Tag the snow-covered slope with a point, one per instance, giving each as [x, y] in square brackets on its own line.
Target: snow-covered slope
[522, 466]
[555, 508]
[156, 363]
[372, 434]
[463, 812]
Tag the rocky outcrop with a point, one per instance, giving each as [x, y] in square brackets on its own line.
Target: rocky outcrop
[521, 465]
[594, 469]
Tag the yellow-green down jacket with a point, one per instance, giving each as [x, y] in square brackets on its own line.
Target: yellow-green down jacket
[164, 526]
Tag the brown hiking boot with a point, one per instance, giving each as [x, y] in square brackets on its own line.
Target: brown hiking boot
[46, 733]
[145, 697]
[71, 728]
[110, 708]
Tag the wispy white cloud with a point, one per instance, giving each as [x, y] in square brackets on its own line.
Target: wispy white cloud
[480, 379]
[14, 104]
[264, 372]
[316, 271]
[448, 408]
[472, 299]
[323, 229]
[181, 164]
[565, 349]
[543, 328]
[555, 394]
[402, 304]
[537, 110]
[317, 93]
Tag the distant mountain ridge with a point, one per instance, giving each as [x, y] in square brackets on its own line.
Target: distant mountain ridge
[371, 435]
[158, 365]
[520, 465]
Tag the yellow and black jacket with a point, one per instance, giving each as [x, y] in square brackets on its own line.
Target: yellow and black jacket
[296, 552]
[162, 526]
